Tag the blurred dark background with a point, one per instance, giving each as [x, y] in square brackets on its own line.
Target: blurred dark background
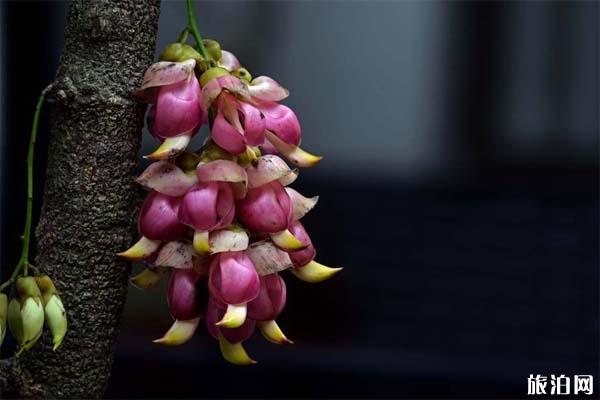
[459, 191]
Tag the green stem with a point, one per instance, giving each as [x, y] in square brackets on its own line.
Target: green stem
[193, 26]
[24, 259]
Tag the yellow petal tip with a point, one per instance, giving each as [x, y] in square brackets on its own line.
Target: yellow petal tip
[314, 272]
[142, 249]
[285, 240]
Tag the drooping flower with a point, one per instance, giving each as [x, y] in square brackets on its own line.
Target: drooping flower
[268, 209]
[282, 121]
[175, 114]
[26, 313]
[306, 268]
[157, 222]
[187, 297]
[233, 282]
[230, 339]
[267, 306]
[205, 207]
[54, 311]
[237, 124]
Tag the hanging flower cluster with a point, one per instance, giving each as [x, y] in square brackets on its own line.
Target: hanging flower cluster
[35, 300]
[222, 221]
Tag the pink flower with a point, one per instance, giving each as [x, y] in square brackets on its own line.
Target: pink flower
[270, 300]
[230, 339]
[233, 281]
[305, 266]
[266, 209]
[177, 110]
[175, 114]
[214, 314]
[282, 121]
[237, 124]
[233, 278]
[185, 294]
[158, 218]
[304, 256]
[207, 206]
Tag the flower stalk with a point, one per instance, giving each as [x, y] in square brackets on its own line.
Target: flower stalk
[193, 28]
[23, 263]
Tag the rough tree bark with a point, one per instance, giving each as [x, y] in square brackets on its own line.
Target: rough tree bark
[89, 201]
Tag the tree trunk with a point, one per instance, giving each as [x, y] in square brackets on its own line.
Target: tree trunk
[89, 202]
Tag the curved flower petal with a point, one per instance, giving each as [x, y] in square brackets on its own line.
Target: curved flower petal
[146, 279]
[267, 258]
[170, 147]
[175, 254]
[221, 170]
[179, 333]
[254, 124]
[214, 87]
[177, 109]
[300, 204]
[229, 61]
[289, 178]
[228, 240]
[267, 89]
[166, 73]
[313, 272]
[271, 331]
[266, 169]
[166, 178]
[295, 154]
[227, 136]
[141, 249]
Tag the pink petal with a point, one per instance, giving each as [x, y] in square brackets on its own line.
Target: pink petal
[166, 178]
[221, 170]
[254, 124]
[270, 300]
[177, 109]
[182, 296]
[301, 257]
[267, 89]
[207, 206]
[229, 61]
[282, 121]
[227, 136]
[233, 278]
[166, 73]
[265, 209]
[213, 89]
[158, 218]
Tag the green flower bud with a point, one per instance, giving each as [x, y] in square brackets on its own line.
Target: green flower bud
[179, 52]
[213, 48]
[188, 161]
[14, 320]
[26, 313]
[243, 74]
[248, 156]
[56, 316]
[211, 152]
[3, 316]
[211, 74]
